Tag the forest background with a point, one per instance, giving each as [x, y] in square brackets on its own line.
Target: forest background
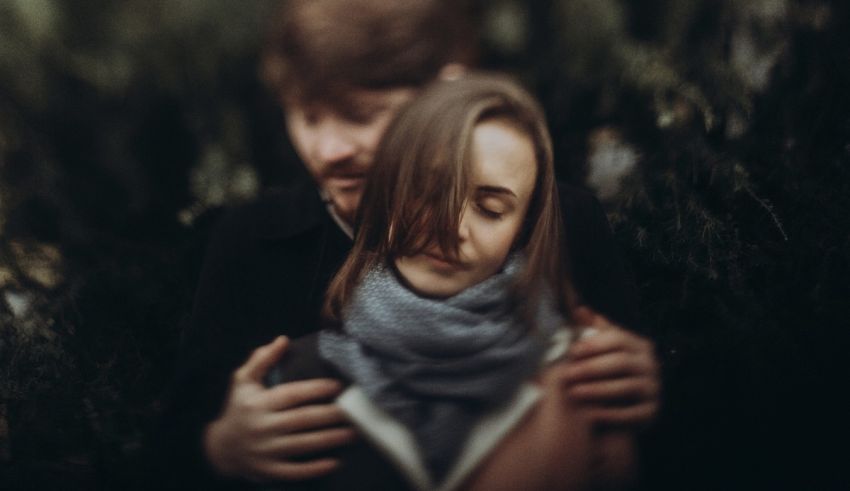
[716, 133]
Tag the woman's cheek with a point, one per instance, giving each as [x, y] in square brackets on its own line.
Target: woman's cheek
[500, 238]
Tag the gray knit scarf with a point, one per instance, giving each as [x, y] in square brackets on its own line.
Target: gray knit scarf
[436, 365]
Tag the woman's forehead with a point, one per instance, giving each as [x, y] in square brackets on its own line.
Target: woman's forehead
[503, 159]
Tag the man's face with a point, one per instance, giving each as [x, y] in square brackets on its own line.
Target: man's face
[338, 144]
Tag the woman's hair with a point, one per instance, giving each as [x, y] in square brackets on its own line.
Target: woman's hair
[420, 182]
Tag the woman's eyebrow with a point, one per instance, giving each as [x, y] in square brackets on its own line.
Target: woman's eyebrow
[495, 190]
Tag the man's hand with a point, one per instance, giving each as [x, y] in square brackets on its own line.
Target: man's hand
[261, 428]
[613, 373]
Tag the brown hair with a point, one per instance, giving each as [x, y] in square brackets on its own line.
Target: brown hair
[418, 187]
[321, 48]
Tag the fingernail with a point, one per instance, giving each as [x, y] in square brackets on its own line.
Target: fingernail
[335, 385]
[588, 332]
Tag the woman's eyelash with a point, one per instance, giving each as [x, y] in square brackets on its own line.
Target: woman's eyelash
[489, 213]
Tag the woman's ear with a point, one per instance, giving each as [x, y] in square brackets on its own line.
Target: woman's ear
[452, 71]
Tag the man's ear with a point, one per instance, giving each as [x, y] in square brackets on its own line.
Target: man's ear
[452, 71]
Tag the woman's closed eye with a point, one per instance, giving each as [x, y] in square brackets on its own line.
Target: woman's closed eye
[491, 209]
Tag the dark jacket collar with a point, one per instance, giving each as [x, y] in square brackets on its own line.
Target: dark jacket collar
[289, 211]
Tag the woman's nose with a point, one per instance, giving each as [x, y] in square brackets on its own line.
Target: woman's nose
[463, 226]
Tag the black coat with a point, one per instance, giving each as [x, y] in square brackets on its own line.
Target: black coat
[265, 274]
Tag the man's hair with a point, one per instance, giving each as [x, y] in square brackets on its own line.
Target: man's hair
[319, 49]
[420, 183]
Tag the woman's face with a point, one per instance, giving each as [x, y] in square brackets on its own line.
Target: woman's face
[504, 171]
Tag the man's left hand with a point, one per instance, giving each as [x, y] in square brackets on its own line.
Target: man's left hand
[614, 373]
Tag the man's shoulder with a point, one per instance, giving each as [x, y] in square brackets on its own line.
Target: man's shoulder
[277, 213]
[571, 193]
[577, 201]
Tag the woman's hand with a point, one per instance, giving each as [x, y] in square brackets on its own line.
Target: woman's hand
[613, 373]
[260, 429]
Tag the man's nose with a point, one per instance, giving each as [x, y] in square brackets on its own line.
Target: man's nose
[334, 143]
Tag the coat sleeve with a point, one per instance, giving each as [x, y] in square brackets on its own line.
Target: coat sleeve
[212, 345]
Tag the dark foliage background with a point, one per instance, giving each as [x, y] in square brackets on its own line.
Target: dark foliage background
[716, 132]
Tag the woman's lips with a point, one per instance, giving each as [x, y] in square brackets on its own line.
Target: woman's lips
[441, 262]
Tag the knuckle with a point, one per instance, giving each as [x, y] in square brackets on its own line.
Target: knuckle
[273, 472]
[258, 353]
[556, 378]
[329, 414]
[651, 365]
[647, 411]
[284, 396]
[644, 365]
[635, 369]
[646, 391]
[655, 388]
[561, 370]
[330, 386]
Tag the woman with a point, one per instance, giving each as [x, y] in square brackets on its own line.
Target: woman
[452, 299]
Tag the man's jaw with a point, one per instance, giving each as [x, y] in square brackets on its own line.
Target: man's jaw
[345, 202]
[347, 183]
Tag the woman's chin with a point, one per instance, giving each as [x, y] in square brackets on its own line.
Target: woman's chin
[429, 280]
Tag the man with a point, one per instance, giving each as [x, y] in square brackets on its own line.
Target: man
[342, 69]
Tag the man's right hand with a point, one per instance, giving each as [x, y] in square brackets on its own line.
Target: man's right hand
[260, 428]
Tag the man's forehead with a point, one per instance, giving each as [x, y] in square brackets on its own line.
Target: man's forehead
[347, 99]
